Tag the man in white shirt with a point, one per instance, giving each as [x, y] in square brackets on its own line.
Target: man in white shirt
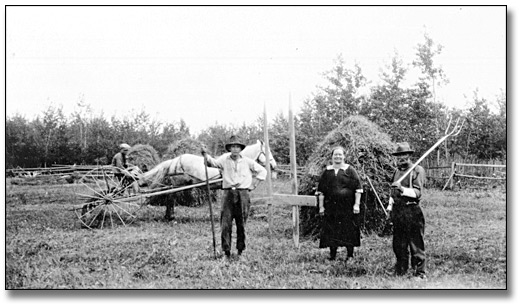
[237, 172]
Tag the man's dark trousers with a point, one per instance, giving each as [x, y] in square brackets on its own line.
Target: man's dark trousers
[408, 238]
[236, 205]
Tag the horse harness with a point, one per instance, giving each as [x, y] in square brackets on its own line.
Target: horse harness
[261, 152]
[179, 165]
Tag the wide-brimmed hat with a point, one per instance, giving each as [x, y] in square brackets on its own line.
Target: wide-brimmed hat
[234, 140]
[125, 146]
[403, 148]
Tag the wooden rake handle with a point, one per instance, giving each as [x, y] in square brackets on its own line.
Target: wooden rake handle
[455, 131]
[210, 207]
[377, 195]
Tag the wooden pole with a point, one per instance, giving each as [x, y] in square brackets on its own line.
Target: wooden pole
[450, 179]
[479, 177]
[167, 191]
[293, 171]
[453, 169]
[268, 176]
[377, 195]
[480, 165]
[210, 207]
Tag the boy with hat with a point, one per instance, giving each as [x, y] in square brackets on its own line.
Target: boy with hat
[237, 172]
[407, 217]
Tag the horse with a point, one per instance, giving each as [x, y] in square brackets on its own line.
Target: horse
[188, 169]
[257, 153]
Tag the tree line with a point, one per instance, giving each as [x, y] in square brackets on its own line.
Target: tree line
[412, 114]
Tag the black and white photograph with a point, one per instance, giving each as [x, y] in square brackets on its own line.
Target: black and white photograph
[257, 147]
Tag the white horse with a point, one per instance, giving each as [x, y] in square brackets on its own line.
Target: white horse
[257, 153]
[189, 169]
[193, 167]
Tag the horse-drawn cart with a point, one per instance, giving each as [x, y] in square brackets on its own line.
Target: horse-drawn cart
[109, 201]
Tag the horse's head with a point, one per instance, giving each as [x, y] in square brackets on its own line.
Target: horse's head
[257, 153]
[263, 156]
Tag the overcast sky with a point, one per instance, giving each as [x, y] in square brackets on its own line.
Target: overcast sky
[222, 64]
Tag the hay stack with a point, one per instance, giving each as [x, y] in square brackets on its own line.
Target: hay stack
[184, 146]
[143, 156]
[369, 151]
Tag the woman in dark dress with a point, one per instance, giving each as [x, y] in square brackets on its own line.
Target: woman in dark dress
[342, 188]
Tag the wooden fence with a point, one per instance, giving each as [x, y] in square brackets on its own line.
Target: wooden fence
[285, 171]
[466, 174]
[56, 173]
[95, 170]
[455, 174]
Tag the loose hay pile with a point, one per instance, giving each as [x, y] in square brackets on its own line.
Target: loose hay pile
[143, 156]
[183, 146]
[368, 150]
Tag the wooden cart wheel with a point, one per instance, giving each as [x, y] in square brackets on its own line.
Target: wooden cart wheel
[108, 201]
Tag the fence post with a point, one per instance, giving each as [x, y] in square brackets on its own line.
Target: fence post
[453, 168]
[293, 173]
[268, 178]
[450, 179]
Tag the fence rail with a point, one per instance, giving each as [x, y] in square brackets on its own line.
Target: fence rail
[285, 170]
[54, 169]
[474, 171]
[465, 173]
[436, 174]
[479, 177]
[57, 173]
[481, 165]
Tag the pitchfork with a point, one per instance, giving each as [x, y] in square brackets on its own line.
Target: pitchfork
[455, 131]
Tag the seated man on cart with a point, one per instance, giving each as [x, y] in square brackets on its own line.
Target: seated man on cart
[124, 173]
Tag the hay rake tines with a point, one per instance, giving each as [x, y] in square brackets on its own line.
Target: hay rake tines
[454, 132]
[110, 202]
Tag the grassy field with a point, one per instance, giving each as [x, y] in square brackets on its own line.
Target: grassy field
[47, 249]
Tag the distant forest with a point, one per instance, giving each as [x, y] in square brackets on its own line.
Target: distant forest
[413, 114]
